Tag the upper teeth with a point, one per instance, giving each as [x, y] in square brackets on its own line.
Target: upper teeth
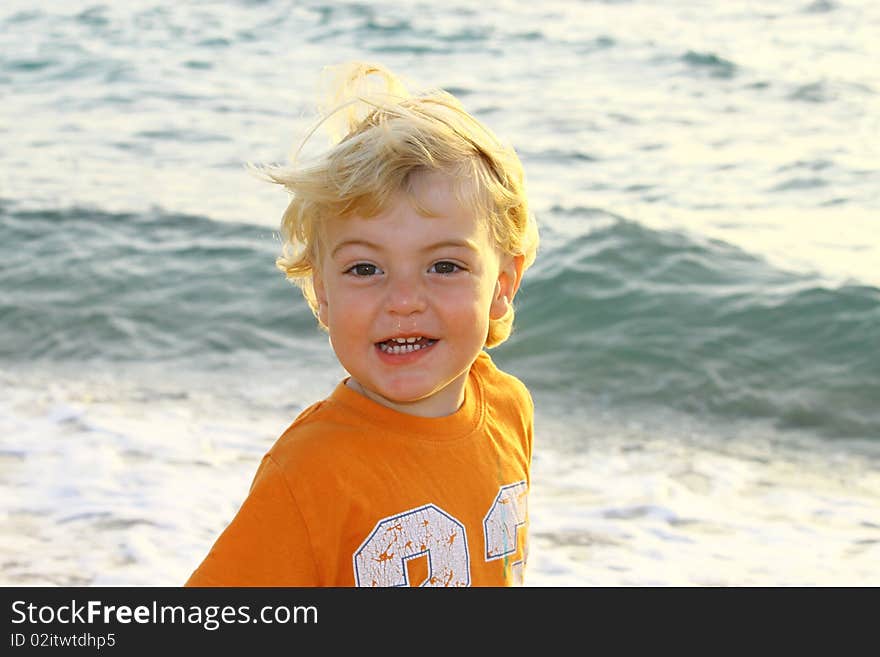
[405, 340]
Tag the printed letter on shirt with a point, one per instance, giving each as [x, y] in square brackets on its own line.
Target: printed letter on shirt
[381, 559]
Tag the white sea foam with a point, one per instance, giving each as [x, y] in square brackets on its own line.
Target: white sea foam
[672, 507]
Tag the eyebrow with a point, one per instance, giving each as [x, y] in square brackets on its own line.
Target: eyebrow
[354, 242]
[460, 244]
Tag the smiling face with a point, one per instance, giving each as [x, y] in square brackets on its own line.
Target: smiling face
[407, 298]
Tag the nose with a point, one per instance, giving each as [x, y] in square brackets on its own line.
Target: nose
[405, 296]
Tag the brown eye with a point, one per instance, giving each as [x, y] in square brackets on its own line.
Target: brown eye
[445, 267]
[363, 269]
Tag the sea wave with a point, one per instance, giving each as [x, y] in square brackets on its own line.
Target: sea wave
[619, 313]
[627, 315]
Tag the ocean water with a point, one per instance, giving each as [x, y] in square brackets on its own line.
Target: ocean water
[701, 330]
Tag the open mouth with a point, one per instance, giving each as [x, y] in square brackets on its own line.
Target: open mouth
[405, 345]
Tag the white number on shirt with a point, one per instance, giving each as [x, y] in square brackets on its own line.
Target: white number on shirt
[507, 514]
[382, 558]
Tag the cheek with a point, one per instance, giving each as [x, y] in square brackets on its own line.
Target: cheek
[348, 311]
[468, 304]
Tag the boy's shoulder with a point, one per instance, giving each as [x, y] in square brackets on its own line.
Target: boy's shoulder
[508, 402]
[500, 385]
[314, 433]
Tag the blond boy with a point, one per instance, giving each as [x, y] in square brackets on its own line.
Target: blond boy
[409, 239]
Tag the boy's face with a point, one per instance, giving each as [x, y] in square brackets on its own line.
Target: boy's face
[431, 282]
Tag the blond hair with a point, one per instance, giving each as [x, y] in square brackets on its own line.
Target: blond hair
[388, 137]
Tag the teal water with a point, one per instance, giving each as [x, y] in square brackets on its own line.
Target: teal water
[701, 329]
[622, 315]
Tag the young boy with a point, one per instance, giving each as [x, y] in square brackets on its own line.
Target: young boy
[409, 239]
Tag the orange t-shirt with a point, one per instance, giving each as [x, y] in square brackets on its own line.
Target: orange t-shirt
[357, 494]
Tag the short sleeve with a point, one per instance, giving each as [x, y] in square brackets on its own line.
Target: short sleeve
[266, 544]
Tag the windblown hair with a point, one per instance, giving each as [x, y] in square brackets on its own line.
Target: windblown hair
[390, 136]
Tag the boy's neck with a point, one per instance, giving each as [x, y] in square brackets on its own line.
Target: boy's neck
[440, 404]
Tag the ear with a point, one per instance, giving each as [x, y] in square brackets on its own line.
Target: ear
[509, 277]
[320, 296]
